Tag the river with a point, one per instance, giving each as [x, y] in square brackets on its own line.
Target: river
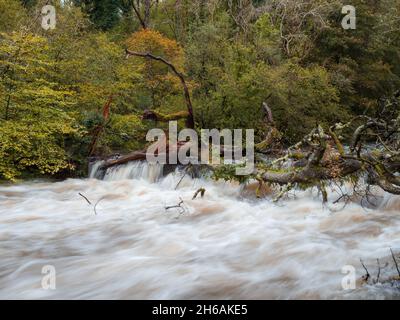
[227, 245]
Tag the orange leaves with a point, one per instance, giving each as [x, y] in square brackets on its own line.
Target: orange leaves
[107, 107]
[157, 75]
[150, 41]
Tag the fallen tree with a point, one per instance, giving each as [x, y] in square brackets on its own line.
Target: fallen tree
[273, 139]
[325, 160]
[319, 158]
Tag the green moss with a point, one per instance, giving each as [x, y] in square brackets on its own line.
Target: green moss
[228, 173]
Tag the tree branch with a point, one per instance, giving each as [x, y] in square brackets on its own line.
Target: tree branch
[190, 118]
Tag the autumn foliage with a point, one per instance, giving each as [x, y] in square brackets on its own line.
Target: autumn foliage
[150, 41]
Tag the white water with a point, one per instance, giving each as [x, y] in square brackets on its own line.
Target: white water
[227, 245]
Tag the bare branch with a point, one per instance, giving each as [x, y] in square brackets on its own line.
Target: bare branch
[395, 262]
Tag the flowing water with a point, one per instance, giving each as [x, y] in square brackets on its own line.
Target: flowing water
[227, 245]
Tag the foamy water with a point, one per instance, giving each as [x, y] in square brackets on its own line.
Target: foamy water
[223, 246]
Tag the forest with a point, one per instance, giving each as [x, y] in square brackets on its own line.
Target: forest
[86, 215]
[90, 87]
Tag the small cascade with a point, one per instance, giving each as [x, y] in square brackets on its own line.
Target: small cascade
[94, 172]
[390, 202]
[140, 170]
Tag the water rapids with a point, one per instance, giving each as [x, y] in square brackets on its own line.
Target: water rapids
[227, 245]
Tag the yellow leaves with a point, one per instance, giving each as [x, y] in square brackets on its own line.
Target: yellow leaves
[33, 136]
[16, 44]
[11, 14]
[152, 41]
[158, 80]
[25, 146]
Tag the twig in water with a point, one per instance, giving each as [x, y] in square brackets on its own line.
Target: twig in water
[367, 276]
[176, 206]
[87, 200]
[180, 180]
[179, 205]
[395, 262]
[284, 190]
[379, 271]
[186, 170]
[95, 206]
[90, 203]
[201, 191]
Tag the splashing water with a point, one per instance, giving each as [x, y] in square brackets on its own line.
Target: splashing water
[133, 170]
[223, 246]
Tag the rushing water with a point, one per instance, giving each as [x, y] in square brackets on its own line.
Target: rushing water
[226, 245]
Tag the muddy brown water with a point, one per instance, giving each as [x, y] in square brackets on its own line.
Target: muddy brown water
[224, 246]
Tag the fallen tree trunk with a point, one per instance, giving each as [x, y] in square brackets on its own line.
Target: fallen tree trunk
[133, 156]
[323, 159]
[327, 160]
[313, 174]
[142, 155]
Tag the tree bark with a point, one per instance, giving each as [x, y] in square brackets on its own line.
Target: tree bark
[142, 15]
[99, 129]
[133, 156]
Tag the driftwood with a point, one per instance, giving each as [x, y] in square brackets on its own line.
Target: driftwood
[312, 174]
[90, 203]
[181, 206]
[201, 191]
[142, 156]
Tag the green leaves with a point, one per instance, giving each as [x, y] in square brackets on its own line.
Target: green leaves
[296, 57]
[35, 113]
[33, 147]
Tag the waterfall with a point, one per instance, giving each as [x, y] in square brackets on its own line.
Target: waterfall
[94, 169]
[390, 202]
[139, 170]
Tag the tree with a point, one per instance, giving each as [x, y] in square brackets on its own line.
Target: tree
[12, 15]
[105, 14]
[163, 74]
[235, 77]
[35, 110]
[363, 63]
[143, 15]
